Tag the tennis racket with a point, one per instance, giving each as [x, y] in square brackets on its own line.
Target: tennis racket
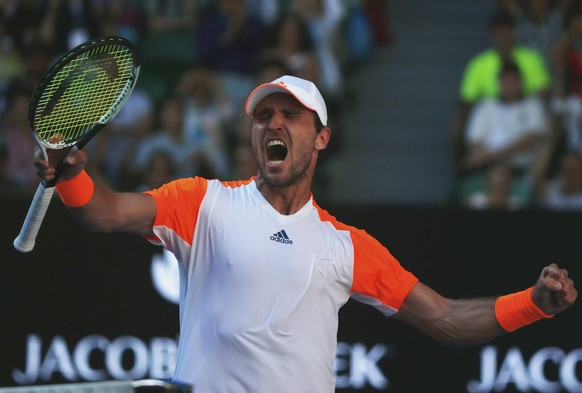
[77, 96]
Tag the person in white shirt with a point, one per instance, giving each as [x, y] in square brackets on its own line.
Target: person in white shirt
[510, 128]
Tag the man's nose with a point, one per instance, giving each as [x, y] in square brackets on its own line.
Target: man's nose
[276, 121]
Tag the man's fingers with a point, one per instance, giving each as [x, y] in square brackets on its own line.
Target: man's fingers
[75, 157]
[550, 278]
[552, 284]
[568, 293]
[550, 269]
[556, 281]
[555, 290]
[561, 285]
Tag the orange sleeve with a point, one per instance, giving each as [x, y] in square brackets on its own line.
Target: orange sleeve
[178, 206]
[377, 274]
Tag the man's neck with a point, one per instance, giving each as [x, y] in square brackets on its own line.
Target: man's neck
[286, 200]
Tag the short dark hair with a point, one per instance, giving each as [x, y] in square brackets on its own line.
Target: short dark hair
[317, 122]
[501, 18]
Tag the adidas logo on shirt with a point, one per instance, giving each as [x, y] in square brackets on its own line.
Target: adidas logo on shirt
[281, 237]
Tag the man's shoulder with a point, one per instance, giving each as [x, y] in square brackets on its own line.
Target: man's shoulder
[339, 226]
[527, 51]
[197, 182]
[484, 57]
[180, 186]
[490, 55]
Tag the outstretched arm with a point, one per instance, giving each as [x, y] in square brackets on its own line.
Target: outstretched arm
[473, 321]
[97, 207]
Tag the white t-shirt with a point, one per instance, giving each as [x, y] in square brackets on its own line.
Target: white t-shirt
[497, 125]
[260, 291]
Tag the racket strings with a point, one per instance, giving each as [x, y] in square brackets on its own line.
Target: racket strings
[83, 93]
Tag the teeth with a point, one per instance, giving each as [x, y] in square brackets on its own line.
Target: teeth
[276, 143]
[272, 143]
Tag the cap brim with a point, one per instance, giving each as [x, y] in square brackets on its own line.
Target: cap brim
[265, 90]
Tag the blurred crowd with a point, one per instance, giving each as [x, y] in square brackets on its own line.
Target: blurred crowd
[200, 60]
[517, 132]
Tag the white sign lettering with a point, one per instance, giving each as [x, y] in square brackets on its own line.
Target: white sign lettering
[96, 358]
[356, 367]
[156, 360]
[529, 375]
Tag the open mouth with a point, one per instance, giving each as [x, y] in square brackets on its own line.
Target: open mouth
[276, 152]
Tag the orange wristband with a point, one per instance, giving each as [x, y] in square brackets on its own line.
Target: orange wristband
[76, 191]
[517, 310]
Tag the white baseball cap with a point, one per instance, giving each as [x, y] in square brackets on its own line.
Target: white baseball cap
[303, 90]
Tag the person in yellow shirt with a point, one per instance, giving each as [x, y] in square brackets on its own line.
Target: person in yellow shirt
[480, 77]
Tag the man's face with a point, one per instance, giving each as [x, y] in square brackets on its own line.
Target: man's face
[502, 37]
[285, 141]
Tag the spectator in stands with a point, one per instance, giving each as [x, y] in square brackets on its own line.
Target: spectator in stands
[509, 130]
[114, 148]
[207, 114]
[244, 163]
[291, 42]
[268, 11]
[7, 186]
[170, 15]
[480, 77]
[38, 58]
[19, 142]
[539, 23]
[171, 138]
[498, 191]
[378, 13]
[125, 19]
[567, 63]
[18, 30]
[562, 191]
[12, 64]
[324, 19]
[68, 23]
[22, 19]
[512, 127]
[361, 30]
[227, 40]
[159, 170]
[269, 69]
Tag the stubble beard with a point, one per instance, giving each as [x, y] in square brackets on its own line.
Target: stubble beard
[297, 172]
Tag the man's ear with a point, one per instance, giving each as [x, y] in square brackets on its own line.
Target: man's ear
[322, 138]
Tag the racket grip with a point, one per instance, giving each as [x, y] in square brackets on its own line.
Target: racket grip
[25, 240]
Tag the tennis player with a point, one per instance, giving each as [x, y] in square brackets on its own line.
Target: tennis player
[264, 270]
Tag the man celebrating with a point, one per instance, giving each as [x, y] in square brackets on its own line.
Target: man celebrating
[264, 270]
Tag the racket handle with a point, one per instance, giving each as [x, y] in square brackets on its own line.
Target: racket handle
[25, 240]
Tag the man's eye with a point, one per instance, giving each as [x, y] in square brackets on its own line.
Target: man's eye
[261, 117]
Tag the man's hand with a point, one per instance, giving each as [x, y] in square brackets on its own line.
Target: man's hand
[554, 291]
[46, 169]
